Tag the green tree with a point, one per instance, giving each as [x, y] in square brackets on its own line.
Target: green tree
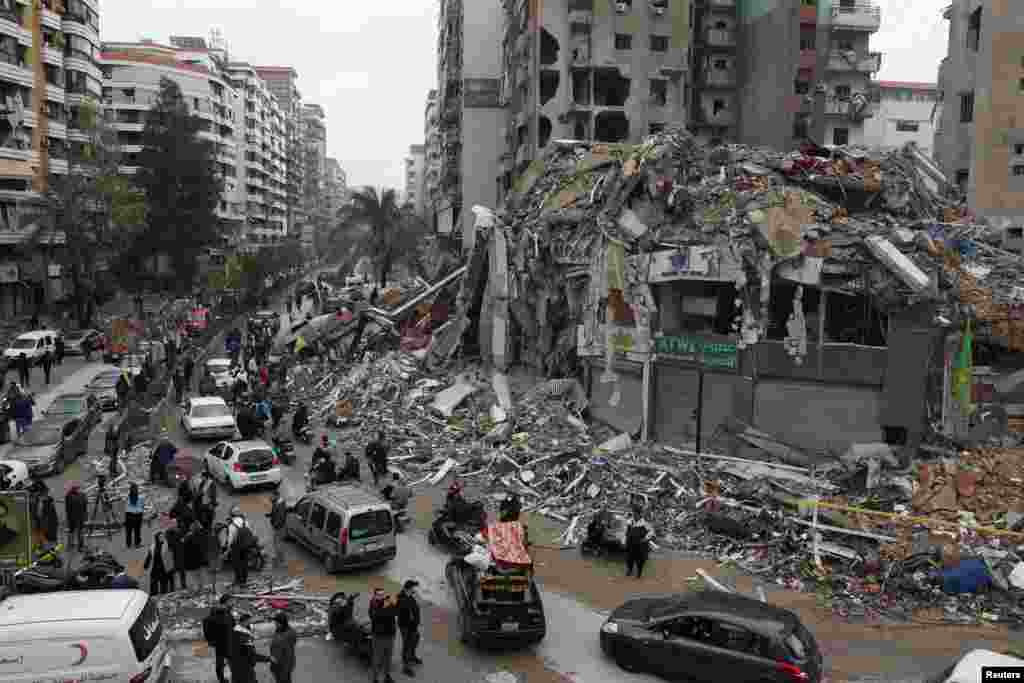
[182, 186]
[379, 227]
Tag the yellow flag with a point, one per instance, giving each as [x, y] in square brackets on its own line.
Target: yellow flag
[300, 344]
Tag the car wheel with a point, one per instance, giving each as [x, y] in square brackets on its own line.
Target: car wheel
[627, 664]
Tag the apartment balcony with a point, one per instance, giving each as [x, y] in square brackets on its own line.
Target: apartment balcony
[86, 67]
[720, 37]
[16, 154]
[51, 19]
[59, 166]
[722, 4]
[53, 56]
[839, 60]
[55, 93]
[14, 73]
[82, 30]
[719, 78]
[57, 130]
[9, 27]
[857, 15]
[128, 127]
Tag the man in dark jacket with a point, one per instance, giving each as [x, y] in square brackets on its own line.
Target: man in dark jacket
[123, 389]
[47, 363]
[282, 650]
[377, 454]
[24, 370]
[58, 348]
[383, 612]
[276, 516]
[409, 624]
[218, 629]
[76, 509]
[140, 385]
[243, 652]
[189, 366]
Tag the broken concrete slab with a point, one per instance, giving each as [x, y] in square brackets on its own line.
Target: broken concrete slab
[449, 400]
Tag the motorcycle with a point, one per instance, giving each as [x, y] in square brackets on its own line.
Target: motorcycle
[285, 449]
[455, 531]
[319, 476]
[355, 635]
[304, 434]
[48, 573]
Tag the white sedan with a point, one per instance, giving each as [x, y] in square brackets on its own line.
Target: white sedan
[223, 376]
[207, 417]
[244, 464]
[13, 475]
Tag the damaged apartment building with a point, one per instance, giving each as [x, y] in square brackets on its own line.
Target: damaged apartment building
[699, 292]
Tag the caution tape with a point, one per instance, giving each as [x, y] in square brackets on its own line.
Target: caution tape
[808, 503]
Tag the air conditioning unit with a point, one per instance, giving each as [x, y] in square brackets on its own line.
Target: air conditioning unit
[621, 7]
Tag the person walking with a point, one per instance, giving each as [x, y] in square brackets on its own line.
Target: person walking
[24, 368]
[134, 508]
[59, 350]
[383, 613]
[179, 385]
[241, 540]
[638, 544]
[47, 363]
[76, 509]
[377, 455]
[282, 649]
[217, 630]
[243, 652]
[278, 513]
[160, 563]
[178, 538]
[409, 625]
[140, 385]
[123, 389]
[189, 366]
[23, 408]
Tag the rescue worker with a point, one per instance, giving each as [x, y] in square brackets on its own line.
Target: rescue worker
[638, 544]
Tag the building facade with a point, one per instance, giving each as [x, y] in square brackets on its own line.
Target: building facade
[68, 46]
[336, 192]
[414, 166]
[904, 113]
[283, 83]
[471, 115]
[980, 137]
[314, 153]
[432, 162]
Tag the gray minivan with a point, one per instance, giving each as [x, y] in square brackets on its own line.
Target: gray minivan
[344, 525]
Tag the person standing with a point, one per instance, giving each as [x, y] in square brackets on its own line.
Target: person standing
[76, 509]
[160, 563]
[277, 516]
[243, 652]
[134, 508]
[58, 348]
[179, 385]
[47, 363]
[189, 366]
[638, 544]
[123, 388]
[241, 540]
[23, 413]
[377, 455]
[24, 368]
[217, 630]
[282, 649]
[409, 624]
[383, 613]
[140, 385]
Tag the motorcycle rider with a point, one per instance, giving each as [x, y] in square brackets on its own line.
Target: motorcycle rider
[322, 468]
[397, 492]
[349, 469]
[300, 421]
[510, 508]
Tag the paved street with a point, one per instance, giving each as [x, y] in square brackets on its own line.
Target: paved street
[570, 653]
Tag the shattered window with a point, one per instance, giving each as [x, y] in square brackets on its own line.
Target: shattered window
[695, 307]
[781, 308]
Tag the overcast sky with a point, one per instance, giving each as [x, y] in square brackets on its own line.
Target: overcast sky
[370, 64]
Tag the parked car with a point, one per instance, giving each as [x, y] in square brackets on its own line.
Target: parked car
[270, 319]
[49, 446]
[967, 668]
[133, 364]
[13, 475]
[696, 636]
[207, 417]
[220, 370]
[32, 344]
[76, 340]
[80, 406]
[104, 387]
[243, 464]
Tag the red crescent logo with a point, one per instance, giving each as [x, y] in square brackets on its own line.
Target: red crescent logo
[83, 650]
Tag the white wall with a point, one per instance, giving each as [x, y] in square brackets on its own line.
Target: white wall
[880, 131]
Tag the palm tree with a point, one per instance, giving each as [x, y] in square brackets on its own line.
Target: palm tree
[377, 223]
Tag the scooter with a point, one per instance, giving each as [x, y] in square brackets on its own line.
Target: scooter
[355, 635]
[48, 573]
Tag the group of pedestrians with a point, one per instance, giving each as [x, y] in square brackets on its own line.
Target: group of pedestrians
[389, 616]
[233, 641]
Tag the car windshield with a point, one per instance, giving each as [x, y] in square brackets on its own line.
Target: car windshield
[132, 361]
[256, 455]
[40, 436]
[217, 366]
[104, 382]
[66, 406]
[24, 344]
[75, 335]
[367, 524]
[215, 410]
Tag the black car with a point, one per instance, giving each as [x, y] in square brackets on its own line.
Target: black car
[698, 636]
[104, 387]
[496, 609]
[76, 340]
[50, 445]
[81, 407]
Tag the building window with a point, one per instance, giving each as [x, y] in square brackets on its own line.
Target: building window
[1018, 170]
[974, 30]
[966, 107]
[840, 136]
[842, 92]
[659, 43]
[907, 126]
[801, 87]
[659, 92]
[962, 176]
[655, 128]
[623, 41]
[807, 41]
[846, 45]
[1018, 149]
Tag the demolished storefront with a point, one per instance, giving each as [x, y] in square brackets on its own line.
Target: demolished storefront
[737, 289]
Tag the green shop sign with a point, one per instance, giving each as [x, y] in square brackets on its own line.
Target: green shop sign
[696, 350]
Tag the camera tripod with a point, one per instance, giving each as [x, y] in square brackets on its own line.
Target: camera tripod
[103, 510]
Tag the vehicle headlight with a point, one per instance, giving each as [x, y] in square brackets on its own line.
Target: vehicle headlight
[610, 627]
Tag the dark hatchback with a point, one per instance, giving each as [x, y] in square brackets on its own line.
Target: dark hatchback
[699, 636]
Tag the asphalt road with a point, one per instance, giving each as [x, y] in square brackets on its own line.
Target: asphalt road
[569, 653]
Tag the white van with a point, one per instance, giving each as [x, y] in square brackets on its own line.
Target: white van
[967, 669]
[98, 635]
[33, 345]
